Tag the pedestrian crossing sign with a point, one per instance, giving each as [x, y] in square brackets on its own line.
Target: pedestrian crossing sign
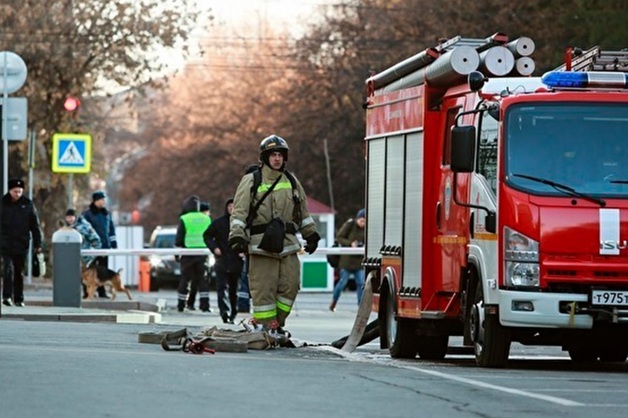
[71, 153]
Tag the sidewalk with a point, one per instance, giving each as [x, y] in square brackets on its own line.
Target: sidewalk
[39, 307]
[160, 308]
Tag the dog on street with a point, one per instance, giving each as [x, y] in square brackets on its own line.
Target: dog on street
[96, 275]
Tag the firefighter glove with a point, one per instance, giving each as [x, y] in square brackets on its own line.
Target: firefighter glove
[312, 243]
[238, 244]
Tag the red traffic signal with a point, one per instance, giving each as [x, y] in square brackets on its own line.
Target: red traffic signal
[71, 104]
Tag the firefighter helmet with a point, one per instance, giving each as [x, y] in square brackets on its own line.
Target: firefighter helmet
[270, 144]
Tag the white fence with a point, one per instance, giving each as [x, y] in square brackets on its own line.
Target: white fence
[131, 276]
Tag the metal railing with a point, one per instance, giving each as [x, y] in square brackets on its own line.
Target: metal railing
[205, 251]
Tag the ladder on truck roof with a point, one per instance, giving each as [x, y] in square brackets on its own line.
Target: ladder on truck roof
[595, 60]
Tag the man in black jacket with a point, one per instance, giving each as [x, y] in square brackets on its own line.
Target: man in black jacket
[19, 223]
[228, 263]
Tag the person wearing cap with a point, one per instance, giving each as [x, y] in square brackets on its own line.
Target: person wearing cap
[20, 224]
[90, 240]
[100, 218]
[192, 225]
[350, 234]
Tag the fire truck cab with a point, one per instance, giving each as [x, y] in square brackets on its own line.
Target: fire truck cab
[497, 206]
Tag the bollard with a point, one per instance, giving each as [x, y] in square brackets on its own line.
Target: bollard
[66, 273]
[144, 285]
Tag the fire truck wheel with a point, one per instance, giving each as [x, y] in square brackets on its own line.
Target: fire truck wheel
[582, 353]
[399, 336]
[433, 347]
[614, 354]
[491, 341]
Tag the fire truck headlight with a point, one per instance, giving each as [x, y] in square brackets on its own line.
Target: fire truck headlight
[521, 255]
[518, 247]
[522, 274]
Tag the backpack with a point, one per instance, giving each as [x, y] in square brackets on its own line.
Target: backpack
[257, 180]
[334, 259]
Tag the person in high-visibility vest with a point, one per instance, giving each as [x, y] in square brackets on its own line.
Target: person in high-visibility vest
[192, 225]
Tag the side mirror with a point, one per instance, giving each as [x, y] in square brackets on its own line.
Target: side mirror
[493, 111]
[462, 149]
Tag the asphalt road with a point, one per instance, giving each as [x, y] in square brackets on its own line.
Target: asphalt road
[69, 369]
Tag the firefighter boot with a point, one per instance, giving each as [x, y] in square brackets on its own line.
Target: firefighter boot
[273, 331]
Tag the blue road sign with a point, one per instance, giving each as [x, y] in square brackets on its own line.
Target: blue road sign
[71, 153]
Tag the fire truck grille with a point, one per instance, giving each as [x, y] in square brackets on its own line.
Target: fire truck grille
[597, 274]
[562, 273]
[611, 274]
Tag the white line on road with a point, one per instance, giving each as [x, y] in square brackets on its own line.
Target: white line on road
[471, 382]
[518, 392]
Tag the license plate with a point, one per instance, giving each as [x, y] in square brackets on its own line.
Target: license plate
[609, 297]
[177, 271]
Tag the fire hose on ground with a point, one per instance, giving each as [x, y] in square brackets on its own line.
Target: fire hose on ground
[361, 333]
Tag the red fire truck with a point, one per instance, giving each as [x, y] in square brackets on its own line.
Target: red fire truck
[497, 205]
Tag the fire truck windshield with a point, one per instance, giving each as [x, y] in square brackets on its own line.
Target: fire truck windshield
[581, 146]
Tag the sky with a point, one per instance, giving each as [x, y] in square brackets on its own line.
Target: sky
[256, 18]
[237, 18]
[243, 12]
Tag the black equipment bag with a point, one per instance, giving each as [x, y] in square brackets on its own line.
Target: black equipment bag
[272, 241]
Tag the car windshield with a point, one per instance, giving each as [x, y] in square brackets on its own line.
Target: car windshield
[164, 241]
[578, 145]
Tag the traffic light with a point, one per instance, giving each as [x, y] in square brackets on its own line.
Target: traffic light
[71, 104]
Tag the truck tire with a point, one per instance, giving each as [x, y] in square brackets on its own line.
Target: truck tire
[433, 347]
[491, 341]
[399, 336]
[613, 354]
[582, 353]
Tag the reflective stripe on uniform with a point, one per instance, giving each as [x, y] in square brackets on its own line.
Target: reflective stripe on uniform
[203, 295]
[182, 296]
[263, 188]
[264, 311]
[284, 304]
[292, 248]
[238, 222]
[305, 222]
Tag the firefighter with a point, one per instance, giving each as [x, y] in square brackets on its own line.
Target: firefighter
[268, 212]
[192, 225]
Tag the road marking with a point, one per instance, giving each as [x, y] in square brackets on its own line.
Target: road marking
[471, 382]
[518, 392]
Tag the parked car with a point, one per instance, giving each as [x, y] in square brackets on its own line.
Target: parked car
[165, 270]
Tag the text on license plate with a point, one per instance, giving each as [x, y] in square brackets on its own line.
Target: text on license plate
[609, 297]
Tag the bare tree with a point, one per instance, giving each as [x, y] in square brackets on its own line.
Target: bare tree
[76, 47]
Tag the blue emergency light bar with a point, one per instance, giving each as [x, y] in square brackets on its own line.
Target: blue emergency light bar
[583, 80]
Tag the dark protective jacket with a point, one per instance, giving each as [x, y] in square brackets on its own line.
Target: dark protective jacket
[217, 236]
[19, 221]
[100, 218]
[279, 203]
[349, 232]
